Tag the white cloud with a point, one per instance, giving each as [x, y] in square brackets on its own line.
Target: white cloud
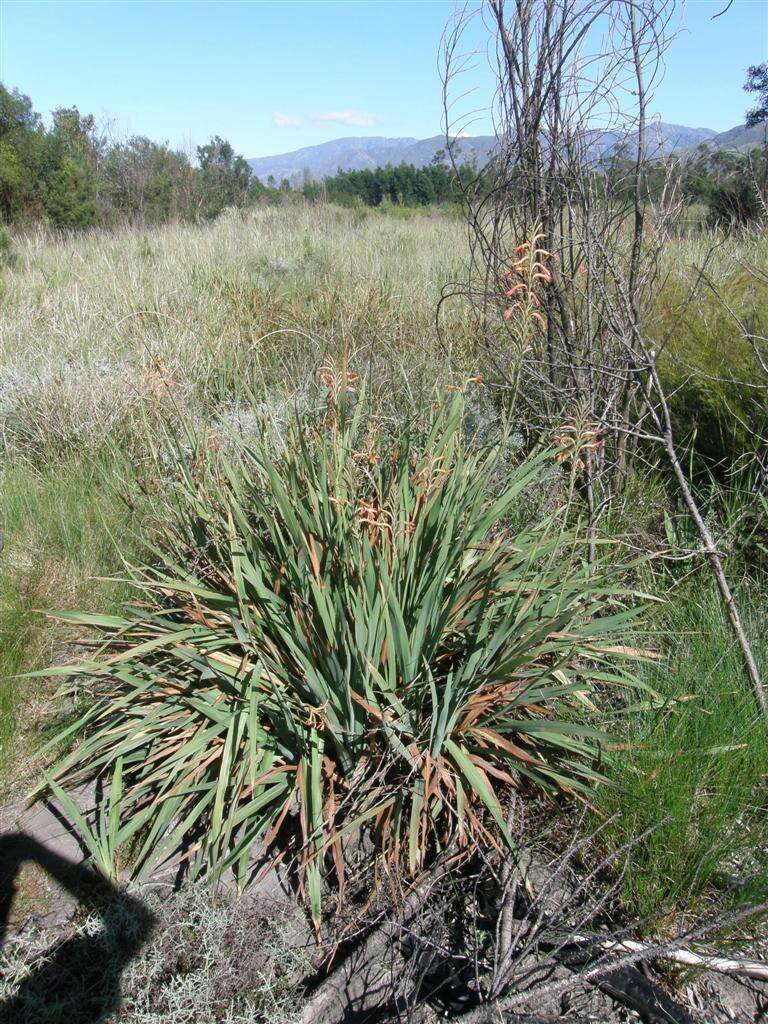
[351, 116]
[286, 120]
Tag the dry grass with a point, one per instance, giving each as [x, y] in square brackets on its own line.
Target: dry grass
[101, 330]
[100, 326]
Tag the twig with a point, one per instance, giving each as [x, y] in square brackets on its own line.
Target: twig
[757, 970]
[724, 11]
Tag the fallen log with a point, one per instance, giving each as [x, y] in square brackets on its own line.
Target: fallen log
[622, 981]
[626, 984]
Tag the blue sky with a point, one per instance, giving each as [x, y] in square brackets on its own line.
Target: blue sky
[272, 77]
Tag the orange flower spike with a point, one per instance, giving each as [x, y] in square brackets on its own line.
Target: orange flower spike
[519, 250]
[540, 319]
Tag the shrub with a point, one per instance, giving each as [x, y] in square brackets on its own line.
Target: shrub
[7, 251]
[734, 204]
[344, 634]
[708, 367]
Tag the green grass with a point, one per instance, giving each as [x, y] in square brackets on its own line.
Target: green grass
[697, 773]
[59, 527]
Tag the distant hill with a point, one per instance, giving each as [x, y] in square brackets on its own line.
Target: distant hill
[356, 154]
[662, 139]
[377, 151]
[740, 137]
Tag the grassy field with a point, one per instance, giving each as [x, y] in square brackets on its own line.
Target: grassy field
[263, 298]
[108, 337]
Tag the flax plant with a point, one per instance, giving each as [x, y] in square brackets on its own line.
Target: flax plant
[339, 634]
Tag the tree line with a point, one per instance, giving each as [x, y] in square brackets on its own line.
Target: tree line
[403, 184]
[70, 175]
[731, 185]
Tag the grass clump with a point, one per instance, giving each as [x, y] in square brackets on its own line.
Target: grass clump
[346, 633]
[694, 776]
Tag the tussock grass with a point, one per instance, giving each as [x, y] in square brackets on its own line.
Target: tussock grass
[261, 298]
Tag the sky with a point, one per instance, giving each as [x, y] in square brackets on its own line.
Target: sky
[273, 77]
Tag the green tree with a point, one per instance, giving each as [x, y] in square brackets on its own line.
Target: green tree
[145, 181]
[70, 196]
[70, 169]
[11, 180]
[224, 177]
[757, 82]
[21, 140]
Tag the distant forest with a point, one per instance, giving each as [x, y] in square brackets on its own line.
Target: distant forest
[70, 175]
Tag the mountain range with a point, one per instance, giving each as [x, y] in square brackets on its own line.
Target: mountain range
[376, 151]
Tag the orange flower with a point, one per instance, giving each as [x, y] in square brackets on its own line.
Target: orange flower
[571, 443]
[370, 458]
